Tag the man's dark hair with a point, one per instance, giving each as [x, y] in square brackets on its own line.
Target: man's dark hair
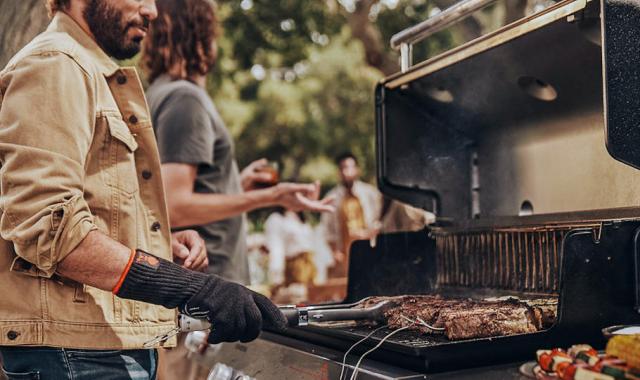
[343, 156]
[57, 5]
[183, 34]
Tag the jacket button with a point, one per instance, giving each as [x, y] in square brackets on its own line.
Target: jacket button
[146, 174]
[133, 119]
[155, 226]
[12, 335]
[121, 79]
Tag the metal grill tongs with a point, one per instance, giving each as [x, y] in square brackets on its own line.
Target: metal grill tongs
[295, 315]
[185, 324]
[302, 315]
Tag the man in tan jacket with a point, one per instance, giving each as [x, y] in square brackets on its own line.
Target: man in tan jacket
[85, 246]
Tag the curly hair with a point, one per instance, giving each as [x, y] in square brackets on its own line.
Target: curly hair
[55, 5]
[181, 39]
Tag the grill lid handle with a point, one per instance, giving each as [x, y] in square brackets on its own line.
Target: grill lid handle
[405, 39]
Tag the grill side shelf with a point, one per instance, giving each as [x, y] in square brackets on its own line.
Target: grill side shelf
[597, 278]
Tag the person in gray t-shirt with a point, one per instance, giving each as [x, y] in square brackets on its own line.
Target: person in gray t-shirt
[195, 148]
[204, 188]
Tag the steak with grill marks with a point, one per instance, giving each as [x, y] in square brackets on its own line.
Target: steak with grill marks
[461, 318]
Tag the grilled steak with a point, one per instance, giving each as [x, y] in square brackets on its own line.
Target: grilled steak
[461, 318]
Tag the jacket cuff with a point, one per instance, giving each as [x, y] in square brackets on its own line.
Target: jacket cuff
[69, 225]
[75, 235]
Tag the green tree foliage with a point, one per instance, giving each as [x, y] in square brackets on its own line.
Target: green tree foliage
[327, 109]
[287, 27]
[294, 84]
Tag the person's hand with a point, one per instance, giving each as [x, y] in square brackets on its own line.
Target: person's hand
[235, 312]
[188, 248]
[315, 193]
[301, 197]
[251, 175]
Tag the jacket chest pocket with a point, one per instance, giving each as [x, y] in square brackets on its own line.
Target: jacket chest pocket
[117, 156]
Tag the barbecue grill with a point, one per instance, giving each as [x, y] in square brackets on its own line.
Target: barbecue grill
[525, 144]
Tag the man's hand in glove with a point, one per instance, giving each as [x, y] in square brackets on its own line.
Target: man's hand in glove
[235, 312]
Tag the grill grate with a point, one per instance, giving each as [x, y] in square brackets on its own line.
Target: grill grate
[513, 259]
[407, 338]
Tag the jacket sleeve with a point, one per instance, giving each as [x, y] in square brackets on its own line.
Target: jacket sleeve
[47, 117]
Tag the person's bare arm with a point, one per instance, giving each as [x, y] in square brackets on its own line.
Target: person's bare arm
[97, 261]
[188, 208]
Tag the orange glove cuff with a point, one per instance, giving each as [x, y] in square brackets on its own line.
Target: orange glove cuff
[124, 273]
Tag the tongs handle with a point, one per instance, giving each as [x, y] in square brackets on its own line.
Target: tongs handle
[296, 316]
[187, 324]
[300, 316]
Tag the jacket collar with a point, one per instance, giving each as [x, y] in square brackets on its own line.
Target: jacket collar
[63, 23]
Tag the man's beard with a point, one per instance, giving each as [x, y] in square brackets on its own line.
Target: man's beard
[110, 29]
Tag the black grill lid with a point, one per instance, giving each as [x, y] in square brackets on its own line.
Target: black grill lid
[514, 123]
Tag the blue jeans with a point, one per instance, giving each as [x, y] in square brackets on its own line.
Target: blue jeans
[48, 363]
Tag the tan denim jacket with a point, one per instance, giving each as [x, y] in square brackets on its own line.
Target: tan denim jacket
[77, 153]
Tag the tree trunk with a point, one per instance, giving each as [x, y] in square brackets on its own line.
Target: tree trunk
[20, 21]
[364, 30]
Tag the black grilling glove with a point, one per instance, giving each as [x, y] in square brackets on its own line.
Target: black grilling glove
[235, 312]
